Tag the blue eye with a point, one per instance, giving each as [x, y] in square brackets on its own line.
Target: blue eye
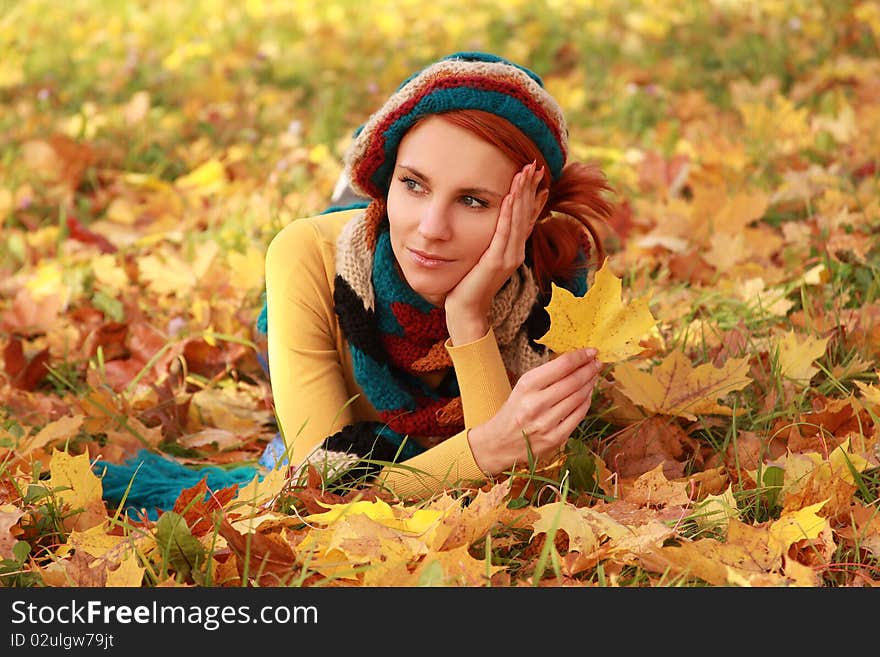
[474, 202]
[410, 184]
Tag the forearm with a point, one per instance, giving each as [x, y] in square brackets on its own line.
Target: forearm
[441, 467]
[482, 378]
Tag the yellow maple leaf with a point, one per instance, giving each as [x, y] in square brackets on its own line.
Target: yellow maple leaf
[793, 527]
[568, 518]
[843, 462]
[462, 525]
[129, 573]
[796, 356]
[653, 489]
[246, 269]
[97, 542]
[74, 480]
[813, 468]
[167, 274]
[48, 280]
[108, 272]
[253, 497]
[675, 387]
[598, 319]
[870, 393]
[743, 559]
[716, 510]
[419, 522]
[353, 543]
[455, 567]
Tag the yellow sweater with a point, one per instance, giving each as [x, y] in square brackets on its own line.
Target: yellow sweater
[310, 365]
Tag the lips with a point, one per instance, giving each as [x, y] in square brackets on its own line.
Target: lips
[427, 259]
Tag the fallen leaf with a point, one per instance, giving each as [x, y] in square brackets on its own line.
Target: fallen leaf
[796, 356]
[73, 481]
[675, 387]
[653, 489]
[9, 517]
[568, 518]
[795, 526]
[63, 428]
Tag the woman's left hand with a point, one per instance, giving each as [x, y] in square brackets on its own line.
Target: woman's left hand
[467, 305]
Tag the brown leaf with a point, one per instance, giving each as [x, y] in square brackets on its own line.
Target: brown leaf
[641, 447]
[832, 422]
[170, 411]
[29, 317]
[210, 361]
[691, 268]
[271, 561]
[198, 510]
[9, 517]
[36, 369]
[111, 338]
[13, 357]
[74, 158]
[82, 571]
[82, 234]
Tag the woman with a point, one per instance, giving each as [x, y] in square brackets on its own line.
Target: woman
[402, 336]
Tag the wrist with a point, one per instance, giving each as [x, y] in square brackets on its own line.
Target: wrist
[486, 458]
[465, 327]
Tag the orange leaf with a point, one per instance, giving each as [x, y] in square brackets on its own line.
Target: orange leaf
[271, 561]
[675, 387]
[197, 510]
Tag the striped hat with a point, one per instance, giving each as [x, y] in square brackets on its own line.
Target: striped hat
[463, 80]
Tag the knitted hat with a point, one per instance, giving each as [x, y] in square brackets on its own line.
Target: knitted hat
[463, 80]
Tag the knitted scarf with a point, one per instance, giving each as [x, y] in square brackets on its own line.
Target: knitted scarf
[395, 335]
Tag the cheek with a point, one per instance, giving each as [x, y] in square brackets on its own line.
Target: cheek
[477, 238]
[401, 206]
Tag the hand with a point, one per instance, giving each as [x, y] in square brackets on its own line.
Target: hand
[543, 410]
[467, 304]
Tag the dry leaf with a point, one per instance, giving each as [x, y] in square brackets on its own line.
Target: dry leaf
[675, 387]
[796, 356]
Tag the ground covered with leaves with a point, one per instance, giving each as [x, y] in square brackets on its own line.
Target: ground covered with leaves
[150, 151]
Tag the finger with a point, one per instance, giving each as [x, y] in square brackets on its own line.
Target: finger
[564, 406]
[572, 421]
[502, 228]
[537, 204]
[569, 385]
[552, 371]
[529, 205]
[523, 198]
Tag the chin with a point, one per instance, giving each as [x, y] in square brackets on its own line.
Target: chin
[432, 296]
[427, 289]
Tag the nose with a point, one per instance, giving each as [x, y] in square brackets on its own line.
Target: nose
[434, 223]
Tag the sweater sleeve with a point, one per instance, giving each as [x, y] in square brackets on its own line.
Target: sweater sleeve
[311, 397]
[484, 385]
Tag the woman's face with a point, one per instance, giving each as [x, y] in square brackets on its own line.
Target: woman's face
[443, 204]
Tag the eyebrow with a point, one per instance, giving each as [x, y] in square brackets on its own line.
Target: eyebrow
[478, 191]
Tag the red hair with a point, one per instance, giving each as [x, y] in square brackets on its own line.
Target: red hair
[577, 194]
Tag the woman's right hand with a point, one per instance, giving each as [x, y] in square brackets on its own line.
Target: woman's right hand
[543, 410]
